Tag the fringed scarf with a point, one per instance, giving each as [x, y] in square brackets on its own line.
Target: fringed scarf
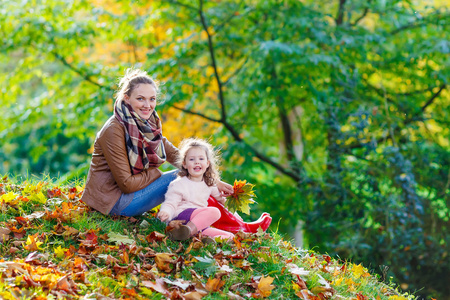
[143, 138]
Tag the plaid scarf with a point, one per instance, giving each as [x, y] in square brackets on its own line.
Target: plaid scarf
[143, 138]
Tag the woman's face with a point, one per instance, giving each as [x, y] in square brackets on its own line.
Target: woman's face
[142, 100]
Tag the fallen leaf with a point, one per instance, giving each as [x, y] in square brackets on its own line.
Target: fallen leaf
[165, 262]
[265, 286]
[32, 243]
[296, 270]
[194, 295]
[119, 238]
[155, 237]
[158, 286]
[183, 284]
[214, 284]
[4, 234]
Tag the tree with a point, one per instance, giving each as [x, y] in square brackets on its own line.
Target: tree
[337, 112]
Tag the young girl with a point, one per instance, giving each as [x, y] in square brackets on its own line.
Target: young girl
[187, 196]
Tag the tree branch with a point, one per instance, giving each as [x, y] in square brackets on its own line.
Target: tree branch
[230, 17]
[236, 72]
[197, 114]
[184, 5]
[364, 14]
[237, 137]
[408, 120]
[79, 72]
[213, 61]
[430, 101]
[428, 19]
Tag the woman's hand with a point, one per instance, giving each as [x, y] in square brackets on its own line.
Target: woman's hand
[163, 216]
[225, 188]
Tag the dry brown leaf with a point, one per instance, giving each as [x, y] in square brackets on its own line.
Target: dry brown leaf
[233, 296]
[194, 295]
[155, 237]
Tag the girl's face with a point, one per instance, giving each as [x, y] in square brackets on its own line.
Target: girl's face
[143, 100]
[196, 162]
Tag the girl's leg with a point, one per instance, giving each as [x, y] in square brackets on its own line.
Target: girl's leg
[150, 196]
[214, 232]
[203, 217]
[232, 223]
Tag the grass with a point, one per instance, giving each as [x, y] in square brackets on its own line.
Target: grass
[53, 246]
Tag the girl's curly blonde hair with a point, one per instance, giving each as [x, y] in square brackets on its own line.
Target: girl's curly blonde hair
[211, 176]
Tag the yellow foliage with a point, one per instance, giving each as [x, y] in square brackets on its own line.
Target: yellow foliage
[178, 125]
[8, 197]
[358, 271]
[395, 297]
[59, 251]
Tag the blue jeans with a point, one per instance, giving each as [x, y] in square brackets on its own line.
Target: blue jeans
[150, 196]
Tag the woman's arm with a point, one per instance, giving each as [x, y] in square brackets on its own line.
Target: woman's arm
[172, 153]
[112, 143]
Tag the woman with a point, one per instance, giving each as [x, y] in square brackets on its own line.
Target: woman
[124, 178]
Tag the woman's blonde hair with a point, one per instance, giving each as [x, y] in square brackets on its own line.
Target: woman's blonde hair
[131, 80]
[211, 176]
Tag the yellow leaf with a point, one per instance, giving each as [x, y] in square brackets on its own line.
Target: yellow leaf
[8, 197]
[32, 243]
[59, 251]
[38, 197]
[265, 286]
[338, 281]
[395, 297]
[358, 271]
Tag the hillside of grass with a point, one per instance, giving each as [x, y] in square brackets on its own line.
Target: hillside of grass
[52, 246]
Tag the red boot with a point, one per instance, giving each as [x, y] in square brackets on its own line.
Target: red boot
[229, 222]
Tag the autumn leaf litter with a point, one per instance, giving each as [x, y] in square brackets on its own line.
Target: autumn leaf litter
[53, 246]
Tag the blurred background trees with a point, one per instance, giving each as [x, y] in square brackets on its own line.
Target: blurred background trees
[338, 111]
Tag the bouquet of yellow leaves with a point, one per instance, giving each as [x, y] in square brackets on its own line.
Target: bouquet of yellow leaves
[241, 198]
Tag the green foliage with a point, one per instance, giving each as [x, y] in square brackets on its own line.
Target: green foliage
[337, 111]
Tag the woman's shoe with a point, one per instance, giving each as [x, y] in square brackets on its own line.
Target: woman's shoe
[229, 222]
[181, 233]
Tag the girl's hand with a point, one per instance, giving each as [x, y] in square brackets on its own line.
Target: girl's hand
[163, 216]
[225, 188]
[222, 200]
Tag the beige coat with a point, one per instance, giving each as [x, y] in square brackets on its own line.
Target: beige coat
[110, 173]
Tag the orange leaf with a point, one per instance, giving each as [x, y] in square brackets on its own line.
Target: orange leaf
[360, 296]
[125, 257]
[214, 284]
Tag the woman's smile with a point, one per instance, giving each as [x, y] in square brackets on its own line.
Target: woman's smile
[142, 100]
